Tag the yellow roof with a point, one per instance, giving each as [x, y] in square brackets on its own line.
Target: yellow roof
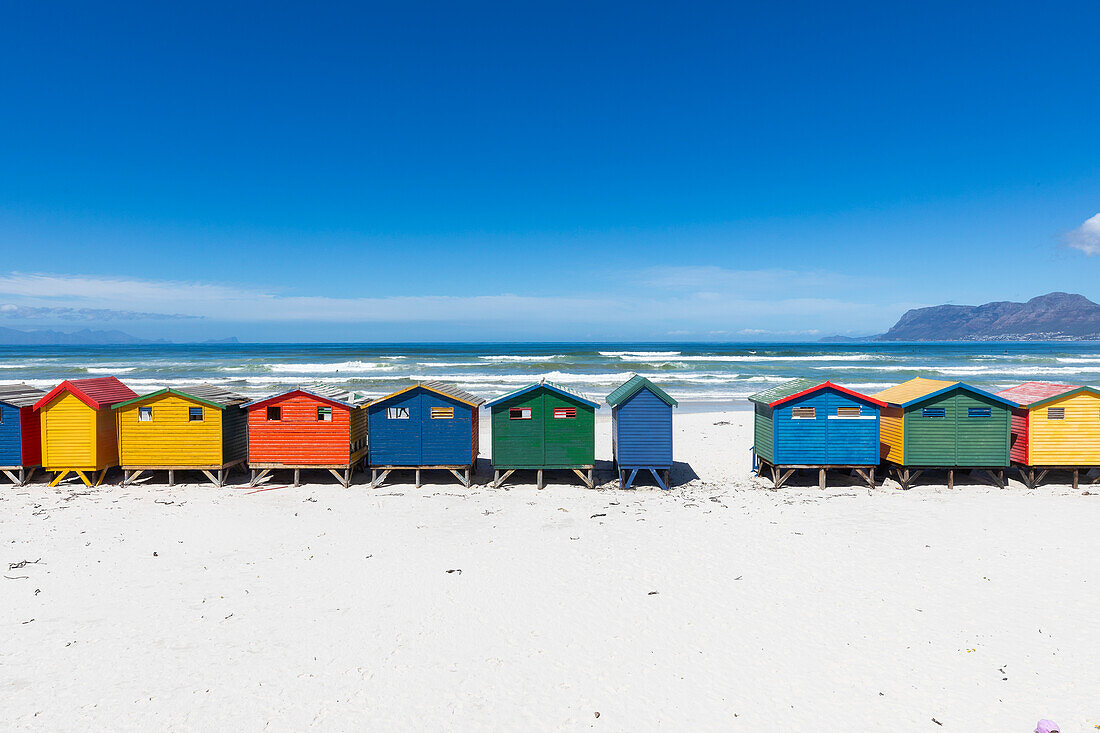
[915, 388]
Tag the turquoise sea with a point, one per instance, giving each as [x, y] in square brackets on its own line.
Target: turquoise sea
[700, 375]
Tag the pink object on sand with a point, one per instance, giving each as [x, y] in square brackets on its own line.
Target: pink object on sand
[1046, 726]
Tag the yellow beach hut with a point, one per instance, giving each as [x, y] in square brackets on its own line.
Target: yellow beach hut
[196, 428]
[78, 427]
[1055, 426]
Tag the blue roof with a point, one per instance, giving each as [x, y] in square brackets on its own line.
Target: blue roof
[548, 385]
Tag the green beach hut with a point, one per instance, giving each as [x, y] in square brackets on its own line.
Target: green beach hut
[937, 424]
[543, 426]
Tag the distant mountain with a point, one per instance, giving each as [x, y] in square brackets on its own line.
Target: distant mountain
[230, 340]
[14, 337]
[1050, 317]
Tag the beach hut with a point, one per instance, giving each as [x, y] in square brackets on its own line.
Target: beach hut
[78, 427]
[430, 425]
[543, 426]
[1054, 426]
[932, 423]
[20, 433]
[641, 431]
[320, 427]
[807, 424]
[196, 428]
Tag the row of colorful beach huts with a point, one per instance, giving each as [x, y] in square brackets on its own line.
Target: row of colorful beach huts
[87, 426]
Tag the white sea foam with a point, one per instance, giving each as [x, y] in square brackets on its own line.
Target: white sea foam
[343, 367]
[632, 355]
[508, 357]
[109, 370]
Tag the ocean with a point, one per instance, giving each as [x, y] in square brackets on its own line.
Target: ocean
[701, 376]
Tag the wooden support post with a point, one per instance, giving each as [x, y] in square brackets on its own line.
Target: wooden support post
[775, 479]
[496, 479]
[252, 481]
[297, 476]
[668, 483]
[373, 477]
[57, 479]
[418, 477]
[592, 478]
[469, 478]
[171, 477]
[821, 478]
[1075, 479]
[209, 476]
[347, 477]
[221, 475]
[85, 479]
[538, 481]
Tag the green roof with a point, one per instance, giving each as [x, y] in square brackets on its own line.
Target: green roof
[780, 391]
[632, 386]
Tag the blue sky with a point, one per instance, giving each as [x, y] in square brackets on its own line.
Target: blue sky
[528, 171]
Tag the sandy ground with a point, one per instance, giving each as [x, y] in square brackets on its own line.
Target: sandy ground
[720, 605]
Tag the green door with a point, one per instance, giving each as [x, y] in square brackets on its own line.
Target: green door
[982, 430]
[570, 431]
[518, 431]
[930, 432]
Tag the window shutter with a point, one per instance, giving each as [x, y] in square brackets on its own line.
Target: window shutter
[804, 413]
[1056, 413]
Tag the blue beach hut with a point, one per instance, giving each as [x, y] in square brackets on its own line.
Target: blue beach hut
[430, 425]
[808, 424]
[20, 432]
[641, 430]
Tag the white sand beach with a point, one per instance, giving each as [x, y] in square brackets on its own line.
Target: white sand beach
[719, 605]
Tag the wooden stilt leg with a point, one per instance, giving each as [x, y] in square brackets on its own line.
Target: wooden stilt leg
[950, 478]
[496, 479]
[775, 478]
[591, 478]
[171, 477]
[821, 478]
[373, 477]
[418, 478]
[252, 481]
[872, 474]
[1075, 479]
[57, 479]
[347, 477]
[468, 477]
[668, 484]
[221, 476]
[297, 476]
[538, 480]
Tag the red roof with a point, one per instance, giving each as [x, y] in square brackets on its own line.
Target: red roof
[1028, 392]
[95, 393]
[830, 385]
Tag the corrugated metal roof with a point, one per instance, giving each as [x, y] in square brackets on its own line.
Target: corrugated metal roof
[632, 386]
[914, 389]
[1028, 392]
[20, 395]
[328, 392]
[549, 385]
[780, 391]
[208, 393]
[443, 388]
[96, 393]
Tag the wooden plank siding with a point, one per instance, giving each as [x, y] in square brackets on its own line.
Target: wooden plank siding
[763, 431]
[543, 441]
[69, 439]
[423, 439]
[1072, 441]
[234, 434]
[892, 434]
[300, 439]
[642, 432]
[170, 438]
[30, 428]
[957, 438]
[11, 436]
[1017, 446]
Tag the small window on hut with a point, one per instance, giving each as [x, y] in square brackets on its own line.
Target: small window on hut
[194, 414]
[397, 413]
[849, 411]
[519, 413]
[324, 414]
[979, 412]
[565, 413]
[443, 413]
[934, 412]
[274, 413]
[145, 414]
[1056, 413]
[804, 413]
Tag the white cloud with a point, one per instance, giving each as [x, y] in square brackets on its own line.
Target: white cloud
[698, 299]
[1086, 237]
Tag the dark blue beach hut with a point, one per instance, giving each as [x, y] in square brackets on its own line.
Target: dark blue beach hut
[430, 425]
[20, 432]
[808, 424]
[641, 430]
